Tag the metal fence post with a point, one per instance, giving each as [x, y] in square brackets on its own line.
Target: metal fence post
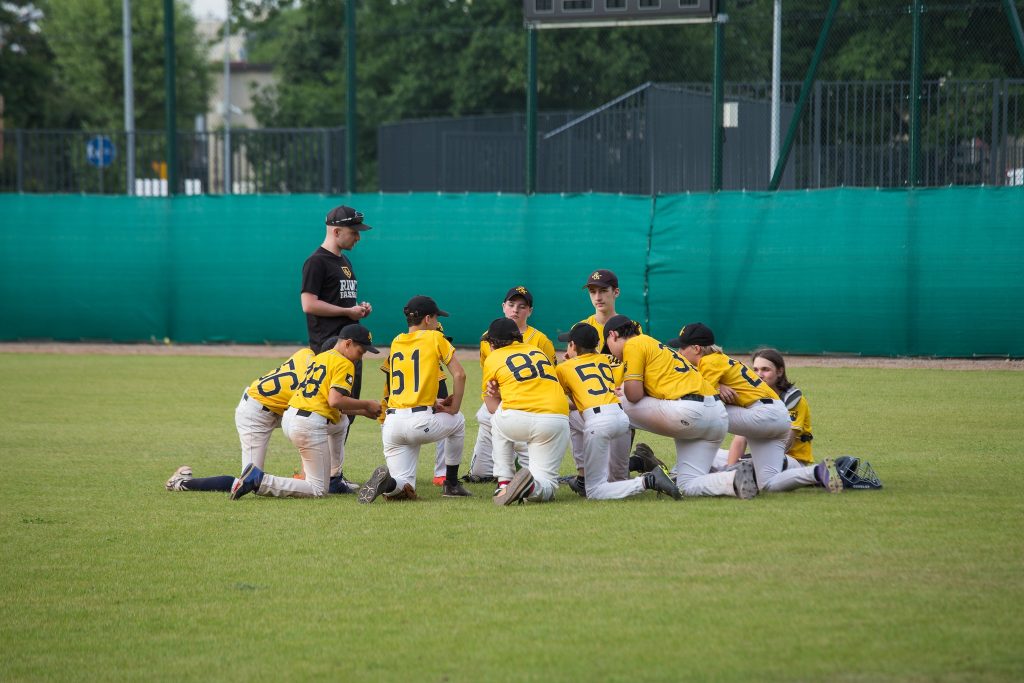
[531, 110]
[326, 171]
[717, 100]
[1015, 28]
[170, 108]
[350, 96]
[816, 144]
[20, 144]
[915, 97]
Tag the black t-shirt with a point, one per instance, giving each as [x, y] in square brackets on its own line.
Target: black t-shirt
[331, 279]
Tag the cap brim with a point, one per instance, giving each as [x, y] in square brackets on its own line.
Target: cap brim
[444, 314]
[563, 337]
[360, 227]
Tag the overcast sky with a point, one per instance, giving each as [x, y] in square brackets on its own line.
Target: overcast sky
[205, 8]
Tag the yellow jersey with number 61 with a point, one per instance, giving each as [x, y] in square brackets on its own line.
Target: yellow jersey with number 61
[665, 374]
[588, 380]
[719, 369]
[329, 370]
[413, 368]
[275, 388]
[526, 378]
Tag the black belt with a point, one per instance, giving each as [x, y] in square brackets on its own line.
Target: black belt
[766, 400]
[263, 407]
[417, 409]
[304, 413]
[597, 409]
[699, 398]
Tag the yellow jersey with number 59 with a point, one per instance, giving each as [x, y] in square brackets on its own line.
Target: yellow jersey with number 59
[329, 370]
[413, 368]
[719, 369]
[665, 374]
[526, 378]
[588, 380]
[275, 388]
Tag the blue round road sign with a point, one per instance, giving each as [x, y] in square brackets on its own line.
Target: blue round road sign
[99, 151]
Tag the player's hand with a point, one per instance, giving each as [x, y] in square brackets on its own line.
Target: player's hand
[372, 409]
[492, 389]
[357, 312]
[446, 405]
[727, 394]
[617, 391]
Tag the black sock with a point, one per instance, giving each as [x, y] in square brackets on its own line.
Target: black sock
[451, 474]
[390, 486]
[209, 484]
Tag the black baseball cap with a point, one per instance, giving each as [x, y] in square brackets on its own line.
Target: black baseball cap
[616, 323]
[693, 333]
[423, 305]
[520, 291]
[602, 278]
[583, 335]
[503, 329]
[346, 217]
[360, 335]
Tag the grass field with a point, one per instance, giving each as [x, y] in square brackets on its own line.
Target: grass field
[106, 576]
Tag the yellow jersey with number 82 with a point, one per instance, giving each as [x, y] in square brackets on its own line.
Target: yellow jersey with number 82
[413, 368]
[665, 374]
[527, 379]
[718, 369]
[329, 370]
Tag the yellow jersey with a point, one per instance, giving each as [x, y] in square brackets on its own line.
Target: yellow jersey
[414, 368]
[275, 388]
[588, 380]
[718, 369]
[329, 370]
[533, 337]
[665, 374]
[526, 377]
[612, 360]
[800, 423]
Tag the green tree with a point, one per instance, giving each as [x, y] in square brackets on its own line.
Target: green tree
[26, 73]
[86, 39]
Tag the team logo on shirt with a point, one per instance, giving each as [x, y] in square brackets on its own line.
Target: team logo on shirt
[347, 271]
[349, 379]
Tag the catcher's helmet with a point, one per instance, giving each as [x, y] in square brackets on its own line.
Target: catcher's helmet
[857, 473]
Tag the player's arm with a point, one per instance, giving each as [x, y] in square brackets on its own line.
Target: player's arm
[633, 390]
[634, 359]
[736, 449]
[492, 398]
[340, 400]
[453, 403]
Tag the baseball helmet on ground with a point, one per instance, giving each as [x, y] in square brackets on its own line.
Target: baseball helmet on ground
[857, 473]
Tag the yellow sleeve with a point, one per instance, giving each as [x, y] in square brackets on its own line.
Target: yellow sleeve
[633, 361]
[562, 372]
[445, 351]
[343, 376]
[712, 368]
[800, 417]
[545, 345]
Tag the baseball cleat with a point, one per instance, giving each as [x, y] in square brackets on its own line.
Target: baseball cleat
[375, 485]
[339, 485]
[407, 493]
[745, 483]
[827, 475]
[517, 490]
[180, 476]
[454, 490]
[439, 481]
[578, 486]
[657, 480]
[249, 481]
[646, 460]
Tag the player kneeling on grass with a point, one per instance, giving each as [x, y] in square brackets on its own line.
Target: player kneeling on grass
[414, 415]
[588, 379]
[527, 405]
[663, 394]
[257, 416]
[313, 413]
[755, 412]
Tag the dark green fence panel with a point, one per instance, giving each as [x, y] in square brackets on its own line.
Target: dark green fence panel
[932, 272]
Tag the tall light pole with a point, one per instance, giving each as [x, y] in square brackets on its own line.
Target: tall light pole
[227, 100]
[776, 86]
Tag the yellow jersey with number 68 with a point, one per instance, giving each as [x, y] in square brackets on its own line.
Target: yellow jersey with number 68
[588, 380]
[413, 368]
[526, 378]
[719, 369]
[275, 388]
[329, 370]
[665, 374]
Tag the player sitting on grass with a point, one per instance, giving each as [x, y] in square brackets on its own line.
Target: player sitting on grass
[527, 405]
[313, 413]
[257, 416]
[517, 307]
[588, 379]
[663, 394]
[415, 416]
[755, 412]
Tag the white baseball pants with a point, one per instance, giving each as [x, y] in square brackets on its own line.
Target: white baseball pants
[311, 435]
[407, 429]
[482, 464]
[578, 438]
[766, 426]
[697, 428]
[255, 424]
[547, 438]
[606, 432]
